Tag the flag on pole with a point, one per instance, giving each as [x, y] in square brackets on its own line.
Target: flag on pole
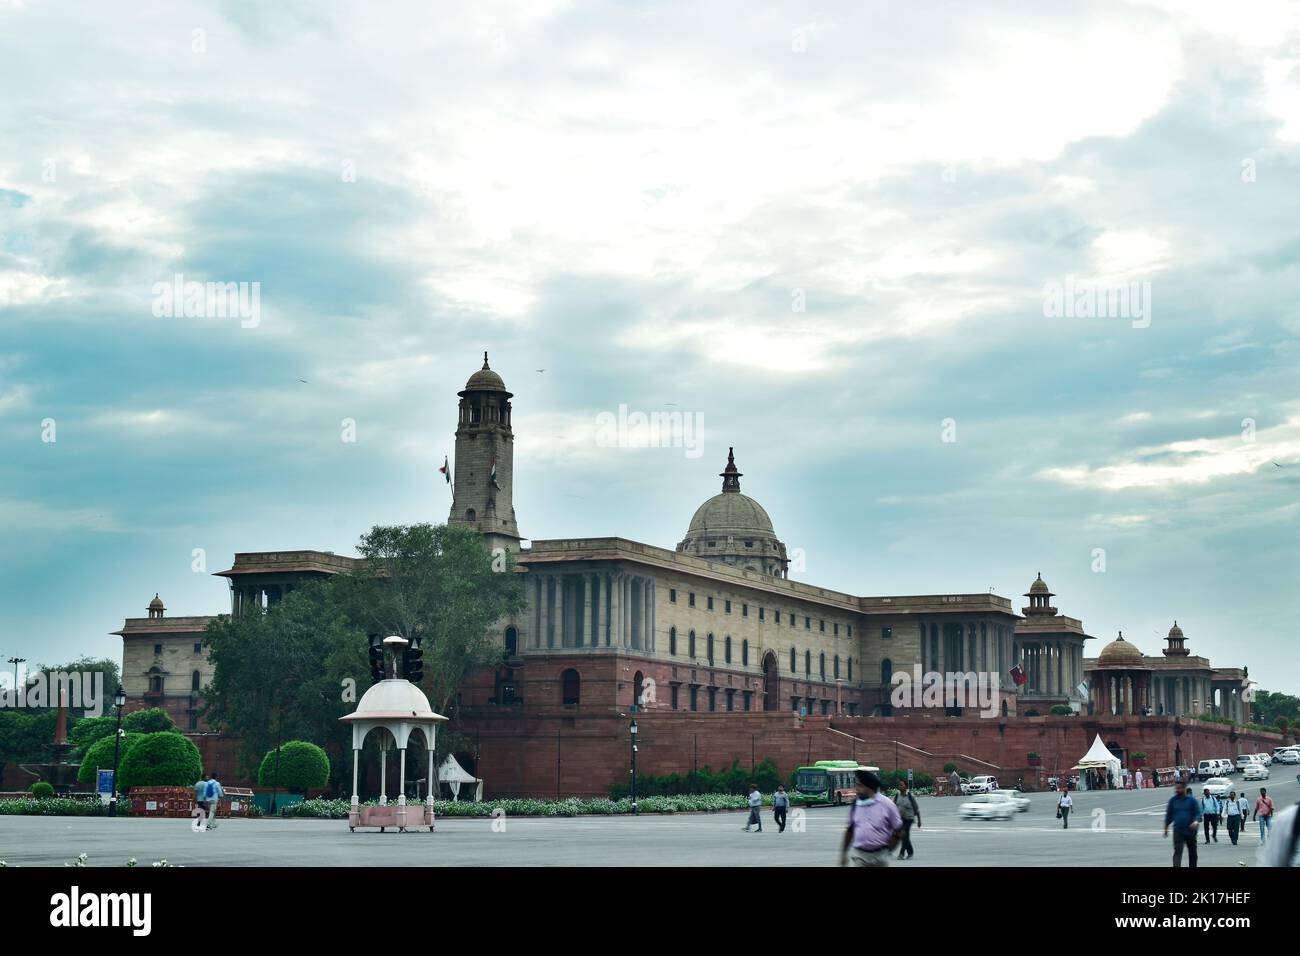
[446, 471]
[1019, 676]
[492, 478]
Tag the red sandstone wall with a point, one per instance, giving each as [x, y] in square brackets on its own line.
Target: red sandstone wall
[579, 754]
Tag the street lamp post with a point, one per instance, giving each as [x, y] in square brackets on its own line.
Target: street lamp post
[119, 701]
[16, 661]
[633, 738]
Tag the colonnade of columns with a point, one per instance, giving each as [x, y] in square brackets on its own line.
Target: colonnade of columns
[1122, 692]
[1054, 667]
[246, 596]
[592, 609]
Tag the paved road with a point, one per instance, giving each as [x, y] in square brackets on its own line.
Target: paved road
[1128, 833]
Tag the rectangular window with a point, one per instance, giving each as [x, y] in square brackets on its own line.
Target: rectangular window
[837, 630]
[194, 721]
[198, 648]
[821, 625]
[710, 604]
[760, 613]
[695, 697]
[674, 693]
[886, 633]
[713, 699]
[728, 607]
[826, 706]
[731, 699]
[672, 595]
[776, 616]
[748, 699]
[850, 630]
[157, 648]
[691, 599]
[807, 623]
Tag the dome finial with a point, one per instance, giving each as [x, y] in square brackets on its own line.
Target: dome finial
[485, 364]
[729, 475]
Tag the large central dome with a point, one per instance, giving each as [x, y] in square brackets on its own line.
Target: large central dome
[735, 529]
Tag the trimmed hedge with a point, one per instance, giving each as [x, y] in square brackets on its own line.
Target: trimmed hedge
[303, 766]
[41, 790]
[56, 807]
[683, 803]
[161, 760]
[100, 756]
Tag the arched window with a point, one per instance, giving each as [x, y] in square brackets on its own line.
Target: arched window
[726, 649]
[571, 688]
[744, 653]
[821, 665]
[672, 641]
[471, 515]
[512, 642]
[692, 645]
[837, 667]
[708, 646]
[196, 681]
[886, 671]
[156, 684]
[793, 669]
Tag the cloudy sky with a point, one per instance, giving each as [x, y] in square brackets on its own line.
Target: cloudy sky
[827, 231]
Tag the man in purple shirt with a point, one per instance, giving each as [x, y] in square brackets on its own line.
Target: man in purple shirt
[874, 825]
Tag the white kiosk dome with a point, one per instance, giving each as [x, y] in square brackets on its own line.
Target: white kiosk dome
[393, 699]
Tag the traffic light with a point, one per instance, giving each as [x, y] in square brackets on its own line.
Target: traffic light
[413, 662]
[376, 659]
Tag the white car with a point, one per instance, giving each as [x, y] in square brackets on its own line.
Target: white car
[1245, 760]
[1217, 786]
[1016, 797]
[981, 784]
[1254, 771]
[1207, 769]
[1265, 759]
[1288, 756]
[988, 806]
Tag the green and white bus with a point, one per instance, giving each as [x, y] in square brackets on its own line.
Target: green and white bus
[827, 781]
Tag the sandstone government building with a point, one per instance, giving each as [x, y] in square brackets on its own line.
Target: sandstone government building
[720, 657]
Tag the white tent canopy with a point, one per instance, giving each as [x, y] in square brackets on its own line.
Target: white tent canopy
[453, 775]
[1097, 757]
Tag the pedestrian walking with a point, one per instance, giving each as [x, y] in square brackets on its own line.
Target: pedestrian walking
[875, 825]
[910, 812]
[954, 781]
[780, 805]
[1138, 778]
[1264, 814]
[1184, 812]
[201, 795]
[1210, 815]
[755, 804]
[1232, 816]
[1063, 807]
[214, 794]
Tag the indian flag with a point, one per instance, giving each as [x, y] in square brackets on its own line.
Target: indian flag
[446, 472]
[492, 478]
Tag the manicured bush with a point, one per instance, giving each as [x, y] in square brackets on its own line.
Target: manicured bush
[100, 756]
[572, 807]
[41, 790]
[949, 767]
[734, 780]
[1060, 710]
[303, 766]
[155, 720]
[161, 760]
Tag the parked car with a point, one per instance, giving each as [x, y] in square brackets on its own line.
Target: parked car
[1265, 759]
[1218, 786]
[1245, 760]
[1226, 769]
[1288, 756]
[1015, 796]
[988, 806]
[982, 784]
[1207, 769]
[1254, 771]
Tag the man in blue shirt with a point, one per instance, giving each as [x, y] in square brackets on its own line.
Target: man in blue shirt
[1184, 812]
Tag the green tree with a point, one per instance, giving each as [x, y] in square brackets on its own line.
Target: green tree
[1270, 706]
[151, 721]
[161, 760]
[286, 671]
[85, 732]
[25, 735]
[439, 584]
[302, 766]
[100, 756]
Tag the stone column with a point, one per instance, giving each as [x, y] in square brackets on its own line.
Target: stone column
[586, 610]
[560, 633]
[627, 610]
[616, 609]
[652, 646]
[596, 616]
[537, 610]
